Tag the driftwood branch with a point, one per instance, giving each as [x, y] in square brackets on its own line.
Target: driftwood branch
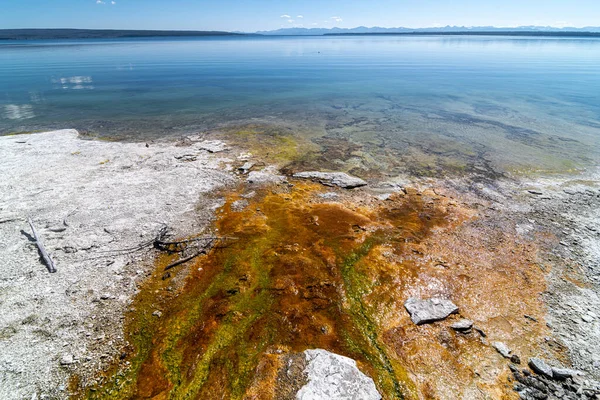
[201, 245]
[179, 242]
[202, 249]
[209, 243]
[178, 246]
[42, 249]
[162, 233]
[199, 239]
[184, 260]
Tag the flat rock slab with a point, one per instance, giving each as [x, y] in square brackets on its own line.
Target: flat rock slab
[334, 377]
[266, 176]
[564, 373]
[212, 146]
[246, 167]
[430, 310]
[462, 325]
[540, 367]
[340, 179]
[502, 349]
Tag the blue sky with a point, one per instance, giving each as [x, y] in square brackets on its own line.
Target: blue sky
[253, 15]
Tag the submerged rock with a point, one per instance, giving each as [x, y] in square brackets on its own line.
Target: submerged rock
[540, 367]
[430, 310]
[335, 377]
[340, 179]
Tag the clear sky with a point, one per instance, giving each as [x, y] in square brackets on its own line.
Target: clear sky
[253, 15]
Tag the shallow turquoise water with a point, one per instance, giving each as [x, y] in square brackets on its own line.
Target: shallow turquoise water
[418, 104]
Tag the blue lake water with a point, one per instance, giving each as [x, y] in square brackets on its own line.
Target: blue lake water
[392, 103]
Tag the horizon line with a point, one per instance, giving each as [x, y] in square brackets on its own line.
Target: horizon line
[468, 27]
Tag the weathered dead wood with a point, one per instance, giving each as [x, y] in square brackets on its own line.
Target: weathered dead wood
[178, 246]
[65, 219]
[186, 241]
[202, 245]
[162, 233]
[40, 244]
[202, 249]
[184, 260]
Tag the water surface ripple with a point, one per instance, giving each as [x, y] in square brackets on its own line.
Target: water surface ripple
[423, 104]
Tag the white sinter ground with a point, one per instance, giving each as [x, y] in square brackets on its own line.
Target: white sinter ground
[87, 199]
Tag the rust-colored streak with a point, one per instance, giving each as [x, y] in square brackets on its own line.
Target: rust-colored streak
[307, 274]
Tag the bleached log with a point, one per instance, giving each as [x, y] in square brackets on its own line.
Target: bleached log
[42, 249]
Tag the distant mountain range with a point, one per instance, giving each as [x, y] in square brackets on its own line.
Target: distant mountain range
[527, 30]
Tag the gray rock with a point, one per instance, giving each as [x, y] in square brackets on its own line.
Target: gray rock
[384, 196]
[502, 349]
[67, 359]
[334, 377]
[267, 175]
[246, 167]
[329, 195]
[564, 373]
[540, 367]
[462, 325]
[430, 310]
[340, 179]
[187, 157]
[212, 146]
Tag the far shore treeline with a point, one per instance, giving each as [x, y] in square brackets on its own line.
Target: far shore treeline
[39, 34]
[36, 34]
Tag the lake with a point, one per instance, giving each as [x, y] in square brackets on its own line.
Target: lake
[426, 105]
